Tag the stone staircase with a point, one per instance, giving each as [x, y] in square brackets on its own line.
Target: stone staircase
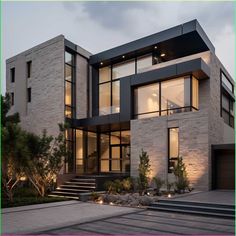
[196, 208]
[76, 186]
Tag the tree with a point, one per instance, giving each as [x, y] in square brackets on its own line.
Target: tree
[180, 173]
[144, 171]
[13, 149]
[46, 155]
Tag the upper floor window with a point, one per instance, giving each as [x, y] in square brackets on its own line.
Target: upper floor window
[166, 97]
[226, 82]
[227, 101]
[29, 94]
[123, 69]
[12, 74]
[29, 68]
[12, 99]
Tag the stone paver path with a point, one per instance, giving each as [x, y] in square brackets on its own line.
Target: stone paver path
[151, 222]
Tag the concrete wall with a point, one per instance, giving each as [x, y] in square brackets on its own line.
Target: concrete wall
[46, 109]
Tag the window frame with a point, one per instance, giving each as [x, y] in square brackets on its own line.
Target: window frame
[167, 111]
[13, 74]
[29, 69]
[168, 148]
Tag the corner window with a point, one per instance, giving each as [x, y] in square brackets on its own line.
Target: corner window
[29, 68]
[173, 148]
[123, 69]
[12, 74]
[29, 94]
[12, 99]
[227, 101]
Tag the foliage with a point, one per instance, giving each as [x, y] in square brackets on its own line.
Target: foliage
[169, 186]
[45, 159]
[114, 187]
[158, 182]
[144, 170]
[180, 173]
[127, 184]
[94, 196]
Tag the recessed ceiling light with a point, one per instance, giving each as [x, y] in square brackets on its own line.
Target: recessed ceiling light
[155, 47]
[163, 54]
[123, 56]
[101, 63]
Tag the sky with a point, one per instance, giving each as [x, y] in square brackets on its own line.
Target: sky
[97, 26]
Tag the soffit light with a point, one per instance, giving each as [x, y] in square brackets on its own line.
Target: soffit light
[123, 56]
[155, 47]
[101, 63]
[163, 54]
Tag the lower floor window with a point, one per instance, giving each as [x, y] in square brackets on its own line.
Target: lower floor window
[173, 148]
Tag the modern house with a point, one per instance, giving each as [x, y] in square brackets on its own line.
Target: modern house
[166, 93]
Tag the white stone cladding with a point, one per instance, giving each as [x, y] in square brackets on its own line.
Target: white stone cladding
[197, 132]
[46, 108]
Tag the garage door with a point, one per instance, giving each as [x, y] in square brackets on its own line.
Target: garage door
[224, 169]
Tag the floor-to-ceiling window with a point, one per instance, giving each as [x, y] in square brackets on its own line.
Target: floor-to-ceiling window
[69, 92]
[166, 97]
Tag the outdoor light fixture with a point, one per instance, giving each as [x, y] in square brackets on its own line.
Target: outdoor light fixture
[169, 195]
[111, 203]
[100, 202]
[123, 56]
[155, 47]
[163, 54]
[101, 63]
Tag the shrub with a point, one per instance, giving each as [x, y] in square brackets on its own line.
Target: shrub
[127, 184]
[158, 184]
[94, 196]
[118, 187]
[180, 173]
[169, 186]
[144, 170]
[108, 185]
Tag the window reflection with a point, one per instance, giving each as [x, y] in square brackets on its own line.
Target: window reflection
[104, 99]
[104, 74]
[68, 94]
[68, 72]
[144, 62]
[195, 96]
[116, 97]
[123, 69]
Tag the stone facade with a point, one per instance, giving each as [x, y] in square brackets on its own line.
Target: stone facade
[197, 132]
[46, 108]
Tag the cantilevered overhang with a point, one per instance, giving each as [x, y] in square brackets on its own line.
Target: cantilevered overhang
[176, 42]
[104, 123]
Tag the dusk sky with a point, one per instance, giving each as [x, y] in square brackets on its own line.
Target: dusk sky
[97, 26]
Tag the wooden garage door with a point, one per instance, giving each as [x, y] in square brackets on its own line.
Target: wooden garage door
[224, 170]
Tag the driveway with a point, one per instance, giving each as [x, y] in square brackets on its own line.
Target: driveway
[74, 217]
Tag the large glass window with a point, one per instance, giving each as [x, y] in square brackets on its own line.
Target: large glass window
[79, 152]
[109, 92]
[123, 69]
[175, 94]
[147, 101]
[173, 147]
[226, 82]
[165, 98]
[69, 85]
[144, 62]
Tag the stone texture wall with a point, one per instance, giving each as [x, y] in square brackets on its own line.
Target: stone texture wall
[46, 109]
[197, 132]
[81, 87]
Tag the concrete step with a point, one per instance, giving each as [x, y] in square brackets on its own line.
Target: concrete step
[205, 204]
[72, 186]
[207, 209]
[202, 208]
[84, 180]
[80, 183]
[69, 197]
[201, 213]
[71, 190]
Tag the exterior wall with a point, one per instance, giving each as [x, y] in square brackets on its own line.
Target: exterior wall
[46, 109]
[81, 87]
[197, 132]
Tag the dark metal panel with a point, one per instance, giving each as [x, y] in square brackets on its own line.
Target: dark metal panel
[137, 44]
[125, 99]
[153, 75]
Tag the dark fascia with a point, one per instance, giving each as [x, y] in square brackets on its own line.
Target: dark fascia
[230, 146]
[172, 33]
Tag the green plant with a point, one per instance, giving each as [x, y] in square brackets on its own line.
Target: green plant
[158, 182]
[144, 170]
[94, 196]
[180, 173]
[118, 187]
[169, 186]
[127, 184]
[108, 185]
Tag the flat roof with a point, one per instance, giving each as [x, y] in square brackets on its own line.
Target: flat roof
[178, 41]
